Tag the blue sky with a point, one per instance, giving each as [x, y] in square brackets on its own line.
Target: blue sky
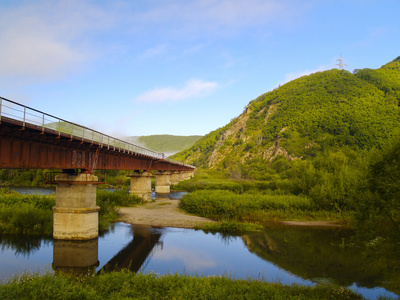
[182, 67]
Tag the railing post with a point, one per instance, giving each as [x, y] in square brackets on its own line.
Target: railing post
[72, 130]
[1, 104]
[42, 122]
[23, 123]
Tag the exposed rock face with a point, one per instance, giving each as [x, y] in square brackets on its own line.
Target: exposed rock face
[231, 134]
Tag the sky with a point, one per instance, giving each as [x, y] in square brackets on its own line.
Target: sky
[180, 67]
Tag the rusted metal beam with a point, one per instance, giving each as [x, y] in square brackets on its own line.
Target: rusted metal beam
[35, 148]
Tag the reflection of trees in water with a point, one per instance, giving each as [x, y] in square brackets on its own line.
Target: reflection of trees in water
[24, 245]
[224, 237]
[321, 253]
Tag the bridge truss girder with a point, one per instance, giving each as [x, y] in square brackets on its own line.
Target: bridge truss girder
[29, 147]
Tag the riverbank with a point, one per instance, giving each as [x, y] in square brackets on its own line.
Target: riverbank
[166, 213]
[161, 213]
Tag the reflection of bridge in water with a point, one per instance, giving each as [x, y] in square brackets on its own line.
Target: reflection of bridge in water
[81, 257]
[137, 253]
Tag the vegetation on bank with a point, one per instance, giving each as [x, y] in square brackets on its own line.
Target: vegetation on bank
[254, 207]
[33, 214]
[126, 285]
[168, 143]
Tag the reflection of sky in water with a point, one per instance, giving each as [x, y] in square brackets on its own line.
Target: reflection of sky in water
[37, 261]
[112, 242]
[194, 252]
[180, 251]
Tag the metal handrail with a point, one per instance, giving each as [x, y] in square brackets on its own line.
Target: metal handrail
[27, 115]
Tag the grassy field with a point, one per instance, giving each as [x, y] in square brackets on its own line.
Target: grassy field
[126, 285]
[33, 214]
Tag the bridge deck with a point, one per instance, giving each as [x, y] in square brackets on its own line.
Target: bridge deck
[33, 139]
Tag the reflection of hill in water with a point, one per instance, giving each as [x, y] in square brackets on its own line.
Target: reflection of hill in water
[318, 254]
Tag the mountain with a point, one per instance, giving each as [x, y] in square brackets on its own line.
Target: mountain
[168, 144]
[334, 108]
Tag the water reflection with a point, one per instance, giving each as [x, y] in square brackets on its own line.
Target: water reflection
[323, 255]
[285, 254]
[75, 257]
[22, 246]
[137, 252]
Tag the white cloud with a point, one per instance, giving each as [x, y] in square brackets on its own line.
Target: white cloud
[193, 88]
[46, 39]
[192, 260]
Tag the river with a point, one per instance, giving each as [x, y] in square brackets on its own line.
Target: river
[279, 253]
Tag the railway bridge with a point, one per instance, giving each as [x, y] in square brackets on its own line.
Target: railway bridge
[31, 139]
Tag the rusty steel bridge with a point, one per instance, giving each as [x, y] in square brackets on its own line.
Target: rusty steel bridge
[31, 139]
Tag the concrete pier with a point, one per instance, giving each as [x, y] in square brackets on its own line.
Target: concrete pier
[163, 183]
[75, 216]
[186, 175]
[141, 185]
[175, 177]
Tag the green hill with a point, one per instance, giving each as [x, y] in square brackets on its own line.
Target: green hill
[327, 109]
[168, 144]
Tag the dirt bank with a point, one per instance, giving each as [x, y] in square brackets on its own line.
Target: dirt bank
[166, 213]
[162, 212]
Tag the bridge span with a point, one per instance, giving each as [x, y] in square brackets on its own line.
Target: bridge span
[31, 139]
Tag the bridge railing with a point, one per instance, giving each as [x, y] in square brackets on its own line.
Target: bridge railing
[25, 115]
[28, 116]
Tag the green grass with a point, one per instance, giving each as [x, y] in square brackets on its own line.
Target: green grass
[253, 207]
[109, 203]
[26, 214]
[216, 180]
[230, 227]
[126, 285]
[33, 214]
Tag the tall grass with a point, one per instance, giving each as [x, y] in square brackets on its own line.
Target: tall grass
[26, 214]
[253, 206]
[126, 285]
[33, 214]
[109, 202]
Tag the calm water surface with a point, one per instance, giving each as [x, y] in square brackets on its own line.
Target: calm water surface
[286, 254]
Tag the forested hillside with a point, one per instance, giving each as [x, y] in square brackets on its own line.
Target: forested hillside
[168, 144]
[298, 120]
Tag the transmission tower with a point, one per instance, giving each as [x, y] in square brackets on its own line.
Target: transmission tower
[341, 64]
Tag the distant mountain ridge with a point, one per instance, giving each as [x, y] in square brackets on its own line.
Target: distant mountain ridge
[327, 109]
[168, 144]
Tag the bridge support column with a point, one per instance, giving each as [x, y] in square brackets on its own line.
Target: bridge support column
[75, 216]
[186, 175]
[141, 185]
[163, 183]
[175, 177]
